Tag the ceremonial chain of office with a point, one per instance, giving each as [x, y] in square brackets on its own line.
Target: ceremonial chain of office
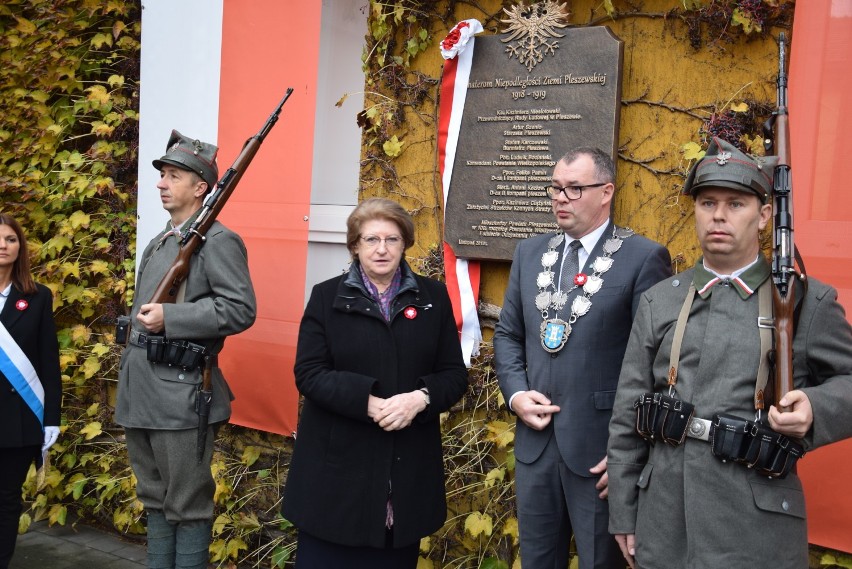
[555, 331]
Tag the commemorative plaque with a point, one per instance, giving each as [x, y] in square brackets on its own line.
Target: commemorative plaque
[534, 92]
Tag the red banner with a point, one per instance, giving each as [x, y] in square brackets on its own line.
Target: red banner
[820, 101]
[267, 46]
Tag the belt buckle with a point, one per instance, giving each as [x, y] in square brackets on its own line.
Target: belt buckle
[698, 429]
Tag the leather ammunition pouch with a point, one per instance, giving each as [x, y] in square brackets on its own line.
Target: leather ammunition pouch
[160, 350]
[122, 328]
[663, 417]
[754, 445]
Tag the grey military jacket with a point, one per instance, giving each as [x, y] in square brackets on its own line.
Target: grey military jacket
[686, 507]
[219, 301]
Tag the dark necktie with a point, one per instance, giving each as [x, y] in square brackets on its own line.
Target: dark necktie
[571, 266]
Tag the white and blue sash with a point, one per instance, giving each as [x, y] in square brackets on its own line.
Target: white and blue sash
[16, 366]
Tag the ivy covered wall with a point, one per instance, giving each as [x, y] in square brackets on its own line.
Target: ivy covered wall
[68, 135]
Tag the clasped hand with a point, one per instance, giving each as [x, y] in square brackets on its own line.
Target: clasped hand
[397, 412]
[534, 409]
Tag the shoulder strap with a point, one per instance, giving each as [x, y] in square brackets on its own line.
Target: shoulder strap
[680, 329]
[765, 326]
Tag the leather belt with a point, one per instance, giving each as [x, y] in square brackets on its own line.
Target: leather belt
[138, 338]
[699, 429]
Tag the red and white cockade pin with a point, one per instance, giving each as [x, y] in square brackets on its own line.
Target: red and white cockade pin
[410, 313]
[22, 304]
[580, 279]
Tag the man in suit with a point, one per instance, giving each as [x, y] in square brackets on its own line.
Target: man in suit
[157, 389]
[558, 346]
[677, 505]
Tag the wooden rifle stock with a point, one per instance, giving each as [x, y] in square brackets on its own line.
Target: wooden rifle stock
[194, 236]
[783, 251]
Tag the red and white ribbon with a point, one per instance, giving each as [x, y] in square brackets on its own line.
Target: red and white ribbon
[462, 275]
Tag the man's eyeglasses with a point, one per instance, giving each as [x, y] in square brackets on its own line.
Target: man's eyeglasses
[391, 242]
[571, 192]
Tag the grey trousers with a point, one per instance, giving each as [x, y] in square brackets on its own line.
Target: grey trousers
[168, 476]
[553, 503]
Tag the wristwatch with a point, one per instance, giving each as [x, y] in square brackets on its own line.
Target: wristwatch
[425, 392]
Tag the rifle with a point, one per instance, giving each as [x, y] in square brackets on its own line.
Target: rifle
[194, 237]
[784, 253]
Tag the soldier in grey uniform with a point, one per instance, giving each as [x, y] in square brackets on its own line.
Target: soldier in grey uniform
[156, 400]
[677, 505]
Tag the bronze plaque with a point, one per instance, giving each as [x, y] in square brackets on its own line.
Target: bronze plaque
[520, 116]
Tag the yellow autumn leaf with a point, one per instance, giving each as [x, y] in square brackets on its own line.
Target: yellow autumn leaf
[740, 107]
[40, 96]
[25, 26]
[393, 146]
[70, 269]
[754, 145]
[235, 545]
[222, 493]
[423, 563]
[250, 455]
[92, 410]
[121, 519]
[740, 18]
[91, 430]
[691, 151]
[219, 550]
[67, 359]
[478, 523]
[80, 334]
[219, 525]
[510, 528]
[100, 349]
[57, 515]
[24, 523]
[102, 129]
[79, 219]
[425, 544]
[500, 433]
[57, 243]
[98, 93]
[494, 475]
[90, 367]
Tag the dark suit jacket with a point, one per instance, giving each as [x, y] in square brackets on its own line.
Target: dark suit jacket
[35, 332]
[337, 487]
[582, 377]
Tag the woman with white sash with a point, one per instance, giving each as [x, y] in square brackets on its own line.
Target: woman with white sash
[30, 382]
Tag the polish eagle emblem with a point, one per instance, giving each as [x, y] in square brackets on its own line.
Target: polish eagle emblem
[532, 31]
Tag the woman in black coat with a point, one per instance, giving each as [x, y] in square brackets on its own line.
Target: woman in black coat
[30, 383]
[378, 360]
